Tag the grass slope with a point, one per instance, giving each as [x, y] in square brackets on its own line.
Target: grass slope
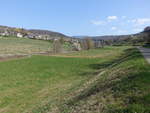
[40, 83]
[124, 87]
[115, 81]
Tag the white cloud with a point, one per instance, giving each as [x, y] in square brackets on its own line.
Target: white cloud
[123, 17]
[137, 29]
[140, 21]
[114, 28]
[122, 31]
[110, 18]
[103, 22]
[97, 22]
[143, 21]
[128, 21]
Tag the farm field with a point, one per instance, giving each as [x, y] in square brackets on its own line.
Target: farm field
[19, 46]
[122, 87]
[109, 51]
[10, 46]
[64, 83]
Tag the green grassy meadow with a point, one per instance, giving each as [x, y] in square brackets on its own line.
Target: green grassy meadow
[72, 83]
[13, 45]
[32, 81]
[123, 87]
[25, 46]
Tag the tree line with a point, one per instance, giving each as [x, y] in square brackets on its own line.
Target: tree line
[77, 44]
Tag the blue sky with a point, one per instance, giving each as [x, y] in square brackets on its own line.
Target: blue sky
[77, 17]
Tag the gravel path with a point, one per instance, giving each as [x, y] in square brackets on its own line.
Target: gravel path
[6, 57]
[145, 52]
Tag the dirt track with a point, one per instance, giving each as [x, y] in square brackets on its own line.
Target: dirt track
[6, 58]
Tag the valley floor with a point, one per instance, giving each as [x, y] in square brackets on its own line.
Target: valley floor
[105, 80]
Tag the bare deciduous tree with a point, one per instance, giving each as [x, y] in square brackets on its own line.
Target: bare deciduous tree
[83, 45]
[89, 43]
[62, 41]
[57, 46]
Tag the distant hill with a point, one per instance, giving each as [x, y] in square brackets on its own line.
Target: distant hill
[50, 35]
[132, 39]
[47, 32]
[33, 33]
[110, 37]
[107, 37]
[80, 37]
[147, 29]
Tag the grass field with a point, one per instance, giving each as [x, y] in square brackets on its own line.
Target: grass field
[123, 87]
[112, 79]
[12, 45]
[22, 46]
[109, 52]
